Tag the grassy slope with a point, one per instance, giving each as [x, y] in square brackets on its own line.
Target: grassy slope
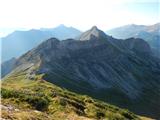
[39, 100]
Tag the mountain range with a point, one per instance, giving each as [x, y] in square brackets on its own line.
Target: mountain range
[19, 42]
[150, 33]
[121, 72]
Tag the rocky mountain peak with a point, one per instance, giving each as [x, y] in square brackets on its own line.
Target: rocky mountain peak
[49, 44]
[51, 41]
[94, 28]
[92, 34]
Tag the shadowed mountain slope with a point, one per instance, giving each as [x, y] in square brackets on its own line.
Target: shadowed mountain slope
[121, 72]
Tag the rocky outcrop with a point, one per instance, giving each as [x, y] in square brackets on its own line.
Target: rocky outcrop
[138, 45]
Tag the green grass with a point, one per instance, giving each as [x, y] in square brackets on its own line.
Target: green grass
[53, 101]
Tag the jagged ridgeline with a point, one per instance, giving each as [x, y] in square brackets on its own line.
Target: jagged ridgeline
[150, 33]
[120, 72]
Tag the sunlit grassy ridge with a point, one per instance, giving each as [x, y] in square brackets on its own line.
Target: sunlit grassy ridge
[39, 100]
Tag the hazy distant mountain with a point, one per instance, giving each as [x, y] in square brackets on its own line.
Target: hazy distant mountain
[134, 30]
[19, 42]
[149, 33]
[121, 72]
[62, 32]
[7, 66]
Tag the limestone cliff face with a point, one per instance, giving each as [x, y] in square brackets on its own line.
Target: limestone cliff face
[122, 72]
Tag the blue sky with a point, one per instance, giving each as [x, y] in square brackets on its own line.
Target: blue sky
[149, 9]
[82, 14]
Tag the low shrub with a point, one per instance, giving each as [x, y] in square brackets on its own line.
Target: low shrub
[100, 114]
[39, 102]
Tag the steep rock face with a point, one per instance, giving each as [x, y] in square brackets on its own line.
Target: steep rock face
[106, 68]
